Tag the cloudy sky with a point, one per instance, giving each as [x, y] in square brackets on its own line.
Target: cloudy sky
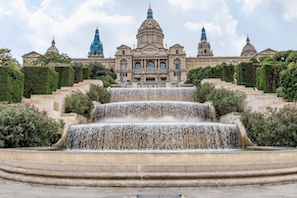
[30, 25]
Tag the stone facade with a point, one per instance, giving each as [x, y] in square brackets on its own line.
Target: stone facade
[151, 61]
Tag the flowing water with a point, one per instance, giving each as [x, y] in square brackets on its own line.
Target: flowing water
[152, 94]
[153, 119]
[146, 110]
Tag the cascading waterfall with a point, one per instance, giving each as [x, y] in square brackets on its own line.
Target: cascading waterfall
[153, 136]
[144, 123]
[148, 110]
[152, 94]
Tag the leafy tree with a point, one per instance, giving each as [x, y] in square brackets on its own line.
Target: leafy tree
[282, 56]
[195, 76]
[52, 58]
[266, 59]
[6, 59]
[292, 57]
[253, 60]
[99, 70]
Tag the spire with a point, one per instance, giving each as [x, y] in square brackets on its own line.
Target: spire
[53, 42]
[150, 12]
[248, 39]
[203, 35]
[96, 46]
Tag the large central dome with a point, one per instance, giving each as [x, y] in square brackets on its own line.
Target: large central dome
[150, 32]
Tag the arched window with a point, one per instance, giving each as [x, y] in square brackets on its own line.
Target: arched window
[205, 51]
[123, 64]
[150, 67]
[163, 67]
[177, 63]
[137, 67]
[123, 52]
[176, 52]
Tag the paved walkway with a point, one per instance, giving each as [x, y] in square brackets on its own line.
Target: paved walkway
[10, 189]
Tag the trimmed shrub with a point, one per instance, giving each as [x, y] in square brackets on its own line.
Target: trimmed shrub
[277, 128]
[78, 74]
[228, 73]
[226, 101]
[23, 125]
[246, 74]
[40, 80]
[223, 100]
[215, 72]
[195, 76]
[107, 80]
[11, 84]
[86, 73]
[99, 94]
[268, 77]
[289, 83]
[203, 91]
[66, 76]
[79, 103]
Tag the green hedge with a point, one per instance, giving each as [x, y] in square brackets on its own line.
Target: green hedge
[78, 74]
[268, 77]
[228, 73]
[40, 80]
[288, 89]
[86, 73]
[215, 72]
[66, 76]
[11, 85]
[246, 74]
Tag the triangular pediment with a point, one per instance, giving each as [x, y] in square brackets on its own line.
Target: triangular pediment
[177, 46]
[31, 54]
[268, 51]
[149, 47]
[124, 47]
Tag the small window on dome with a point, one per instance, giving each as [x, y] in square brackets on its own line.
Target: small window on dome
[205, 51]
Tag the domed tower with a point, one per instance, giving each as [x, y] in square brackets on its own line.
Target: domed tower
[96, 48]
[150, 32]
[204, 48]
[52, 49]
[248, 50]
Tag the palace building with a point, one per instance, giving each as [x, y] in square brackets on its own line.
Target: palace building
[150, 61]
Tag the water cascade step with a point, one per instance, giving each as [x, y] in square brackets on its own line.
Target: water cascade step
[152, 111]
[152, 94]
[153, 136]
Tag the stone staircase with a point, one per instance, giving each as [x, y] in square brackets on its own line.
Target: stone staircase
[255, 99]
[54, 103]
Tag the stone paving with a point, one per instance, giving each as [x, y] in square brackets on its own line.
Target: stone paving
[9, 189]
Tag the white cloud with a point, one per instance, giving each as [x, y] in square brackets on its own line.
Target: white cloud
[220, 26]
[192, 4]
[250, 5]
[70, 31]
[4, 12]
[289, 10]
[196, 27]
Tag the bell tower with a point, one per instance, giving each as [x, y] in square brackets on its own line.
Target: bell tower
[204, 48]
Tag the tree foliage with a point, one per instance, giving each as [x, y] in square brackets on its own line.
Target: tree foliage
[98, 69]
[43, 60]
[6, 59]
[195, 76]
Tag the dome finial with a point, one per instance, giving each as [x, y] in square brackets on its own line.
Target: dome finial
[248, 39]
[150, 12]
[53, 42]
